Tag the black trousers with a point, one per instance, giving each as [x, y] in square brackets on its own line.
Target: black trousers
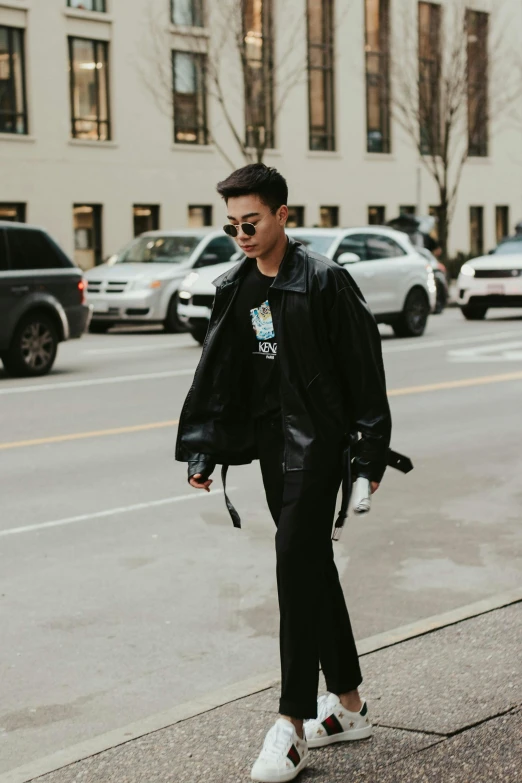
[315, 626]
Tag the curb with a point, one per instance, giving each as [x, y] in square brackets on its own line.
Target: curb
[239, 690]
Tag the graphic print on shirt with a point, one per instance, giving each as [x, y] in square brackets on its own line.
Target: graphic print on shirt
[264, 328]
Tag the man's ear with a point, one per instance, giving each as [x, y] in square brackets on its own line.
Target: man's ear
[283, 214]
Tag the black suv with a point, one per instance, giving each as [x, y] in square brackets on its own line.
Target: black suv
[41, 299]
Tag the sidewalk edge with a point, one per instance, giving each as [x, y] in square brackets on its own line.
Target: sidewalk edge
[239, 690]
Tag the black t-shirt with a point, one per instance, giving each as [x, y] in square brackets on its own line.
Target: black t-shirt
[257, 340]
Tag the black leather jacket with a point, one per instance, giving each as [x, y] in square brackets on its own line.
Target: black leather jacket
[332, 381]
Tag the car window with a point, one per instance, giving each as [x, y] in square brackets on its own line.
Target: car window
[354, 243]
[380, 246]
[507, 248]
[221, 247]
[31, 249]
[318, 243]
[154, 249]
[3, 252]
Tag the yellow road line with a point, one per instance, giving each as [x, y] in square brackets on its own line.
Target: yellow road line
[94, 434]
[485, 379]
[465, 382]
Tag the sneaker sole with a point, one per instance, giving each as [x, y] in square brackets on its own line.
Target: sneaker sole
[282, 777]
[345, 736]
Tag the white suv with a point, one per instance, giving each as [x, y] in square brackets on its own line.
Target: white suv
[396, 280]
[140, 284]
[494, 280]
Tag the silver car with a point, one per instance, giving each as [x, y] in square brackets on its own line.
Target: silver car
[140, 284]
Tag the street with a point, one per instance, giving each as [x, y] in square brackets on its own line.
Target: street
[124, 592]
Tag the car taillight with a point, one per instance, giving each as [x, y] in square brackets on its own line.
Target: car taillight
[81, 288]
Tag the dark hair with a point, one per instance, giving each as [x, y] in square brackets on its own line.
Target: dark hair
[259, 180]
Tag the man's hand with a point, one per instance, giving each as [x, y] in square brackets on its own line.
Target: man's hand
[195, 481]
[375, 486]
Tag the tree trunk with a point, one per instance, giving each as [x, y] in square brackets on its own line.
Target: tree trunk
[443, 225]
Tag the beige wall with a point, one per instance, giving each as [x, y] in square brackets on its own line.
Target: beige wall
[50, 171]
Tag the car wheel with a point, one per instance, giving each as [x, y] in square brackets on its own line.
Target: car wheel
[474, 312]
[199, 333]
[414, 317]
[100, 327]
[172, 322]
[33, 348]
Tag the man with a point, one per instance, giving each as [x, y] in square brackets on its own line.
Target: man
[291, 371]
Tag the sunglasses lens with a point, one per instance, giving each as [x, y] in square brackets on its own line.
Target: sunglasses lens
[248, 229]
[229, 229]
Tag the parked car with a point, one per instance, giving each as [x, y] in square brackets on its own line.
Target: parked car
[42, 299]
[395, 279]
[441, 279]
[140, 285]
[494, 280]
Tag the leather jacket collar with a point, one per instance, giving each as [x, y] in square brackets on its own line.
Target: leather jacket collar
[292, 274]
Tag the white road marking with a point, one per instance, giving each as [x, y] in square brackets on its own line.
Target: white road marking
[421, 344]
[97, 381]
[501, 352]
[138, 348]
[113, 512]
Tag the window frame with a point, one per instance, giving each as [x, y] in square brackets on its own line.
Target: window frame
[480, 230]
[385, 239]
[155, 213]
[378, 207]
[430, 64]
[97, 230]
[198, 13]
[266, 62]
[20, 208]
[501, 217]
[201, 131]
[333, 214]
[478, 88]
[90, 10]
[299, 213]
[99, 123]
[379, 78]
[323, 138]
[23, 114]
[207, 214]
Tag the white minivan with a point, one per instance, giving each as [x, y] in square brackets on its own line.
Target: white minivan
[396, 280]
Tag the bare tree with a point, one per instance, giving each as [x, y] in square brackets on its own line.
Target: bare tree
[247, 76]
[451, 88]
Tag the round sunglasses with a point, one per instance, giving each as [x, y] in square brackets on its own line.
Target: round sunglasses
[247, 228]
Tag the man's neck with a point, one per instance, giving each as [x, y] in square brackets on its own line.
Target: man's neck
[269, 264]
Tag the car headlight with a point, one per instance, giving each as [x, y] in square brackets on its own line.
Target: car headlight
[467, 270]
[185, 296]
[146, 282]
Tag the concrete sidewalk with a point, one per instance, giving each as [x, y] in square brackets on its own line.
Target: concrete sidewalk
[447, 706]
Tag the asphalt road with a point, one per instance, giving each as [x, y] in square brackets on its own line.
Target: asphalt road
[123, 592]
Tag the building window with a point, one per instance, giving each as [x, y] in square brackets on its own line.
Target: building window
[376, 216]
[87, 223]
[477, 30]
[476, 230]
[89, 77]
[88, 5]
[429, 77]
[190, 100]
[145, 218]
[295, 217]
[377, 76]
[329, 217]
[199, 216]
[13, 212]
[259, 73]
[501, 222]
[187, 13]
[408, 210]
[321, 75]
[13, 108]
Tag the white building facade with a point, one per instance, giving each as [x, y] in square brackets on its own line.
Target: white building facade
[113, 118]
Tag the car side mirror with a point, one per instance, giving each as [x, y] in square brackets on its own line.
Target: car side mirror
[207, 259]
[348, 258]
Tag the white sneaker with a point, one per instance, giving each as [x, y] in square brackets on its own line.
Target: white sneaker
[335, 724]
[284, 754]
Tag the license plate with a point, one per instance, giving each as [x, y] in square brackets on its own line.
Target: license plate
[496, 289]
[101, 307]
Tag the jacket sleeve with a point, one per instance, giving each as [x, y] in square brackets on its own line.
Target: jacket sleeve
[201, 463]
[358, 355]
